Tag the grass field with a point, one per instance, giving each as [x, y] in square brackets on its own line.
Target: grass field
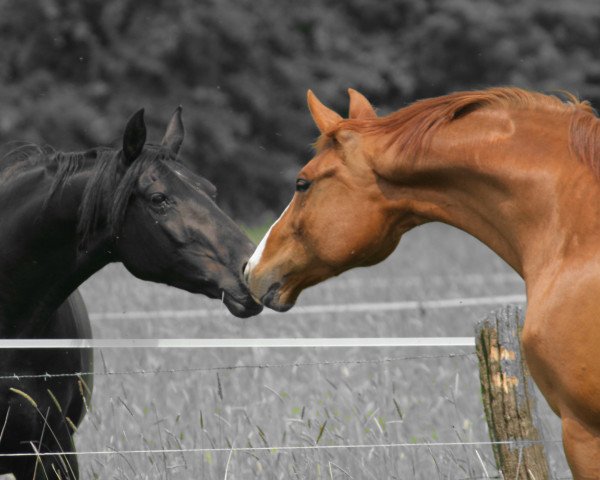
[434, 398]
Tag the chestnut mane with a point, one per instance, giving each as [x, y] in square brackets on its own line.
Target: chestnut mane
[412, 127]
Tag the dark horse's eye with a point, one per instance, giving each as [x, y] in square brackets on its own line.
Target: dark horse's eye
[158, 198]
[302, 185]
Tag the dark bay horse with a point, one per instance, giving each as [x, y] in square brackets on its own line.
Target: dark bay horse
[516, 169]
[63, 216]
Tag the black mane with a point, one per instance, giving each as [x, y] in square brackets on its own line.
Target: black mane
[108, 188]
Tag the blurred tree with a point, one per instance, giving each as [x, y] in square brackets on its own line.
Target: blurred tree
[72, 72]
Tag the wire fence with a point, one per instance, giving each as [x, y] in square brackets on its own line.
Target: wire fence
[100, 344]
[284, 448]
[107, 372]
[271, 449]
[178, 343]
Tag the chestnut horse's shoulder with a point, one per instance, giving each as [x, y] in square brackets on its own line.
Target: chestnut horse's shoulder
[561, 339]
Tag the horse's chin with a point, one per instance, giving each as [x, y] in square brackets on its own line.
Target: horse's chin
[242, 308]
[280, 307]
[272, 300]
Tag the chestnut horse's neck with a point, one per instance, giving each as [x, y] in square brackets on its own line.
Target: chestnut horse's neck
[507, 176]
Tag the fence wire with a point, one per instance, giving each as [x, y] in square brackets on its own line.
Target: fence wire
[219, 368]
[284, 448]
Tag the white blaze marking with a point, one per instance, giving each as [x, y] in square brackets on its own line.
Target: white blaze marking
[256, 256]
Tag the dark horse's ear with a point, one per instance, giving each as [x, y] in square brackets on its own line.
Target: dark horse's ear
[134, 137]
[175, 132]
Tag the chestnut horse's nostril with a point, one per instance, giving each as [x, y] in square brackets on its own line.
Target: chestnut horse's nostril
[245, 273]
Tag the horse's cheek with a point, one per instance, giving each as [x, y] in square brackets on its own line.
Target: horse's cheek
[178, 232]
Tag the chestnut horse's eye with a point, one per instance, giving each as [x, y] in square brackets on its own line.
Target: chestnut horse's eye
[158, 198]
[302, 185]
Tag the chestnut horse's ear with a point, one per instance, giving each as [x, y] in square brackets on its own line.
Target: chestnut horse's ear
[134, 137]
[175, 132]
[325, 118]
[360, 107]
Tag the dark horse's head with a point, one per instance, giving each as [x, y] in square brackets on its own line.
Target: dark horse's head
[163, 219]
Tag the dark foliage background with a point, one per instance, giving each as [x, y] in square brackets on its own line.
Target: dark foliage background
[72, 72]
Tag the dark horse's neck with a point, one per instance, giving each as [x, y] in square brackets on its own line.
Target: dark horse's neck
[40, 259]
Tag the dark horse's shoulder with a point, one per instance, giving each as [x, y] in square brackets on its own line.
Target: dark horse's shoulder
[72, 321]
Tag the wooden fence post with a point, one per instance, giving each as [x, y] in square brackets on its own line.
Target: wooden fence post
[507, 391]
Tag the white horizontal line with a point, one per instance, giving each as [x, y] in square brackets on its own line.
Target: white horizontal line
[320, 309]
[517, 443]
[239, 342]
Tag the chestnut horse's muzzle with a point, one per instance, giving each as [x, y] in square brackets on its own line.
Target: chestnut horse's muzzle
[271, 299]
[266, 294]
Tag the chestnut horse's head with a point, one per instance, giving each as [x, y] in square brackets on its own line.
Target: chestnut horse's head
[339, 217]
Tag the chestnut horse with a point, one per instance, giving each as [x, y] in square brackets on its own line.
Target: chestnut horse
[516, 169]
